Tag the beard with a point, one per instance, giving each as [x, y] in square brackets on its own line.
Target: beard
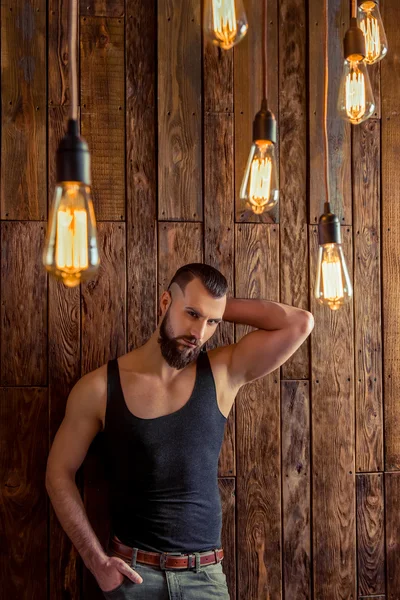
[174, 354]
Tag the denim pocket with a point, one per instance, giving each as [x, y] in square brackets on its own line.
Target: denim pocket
[214, 574]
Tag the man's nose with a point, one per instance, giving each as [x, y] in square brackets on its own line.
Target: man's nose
[197, 331]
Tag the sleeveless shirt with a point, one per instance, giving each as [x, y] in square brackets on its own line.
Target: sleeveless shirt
[163, 472]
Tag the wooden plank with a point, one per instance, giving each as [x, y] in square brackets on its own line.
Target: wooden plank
[293, 170]
[178, 245]
[104, 301]
[339, 132]
[258, 430]
[23, 110]
[390, 153]
[367, 301]
[218, 79]
[64, 371]
[103, 112]
[219, 239]
[248, 95]
[179, 111]
[23, 508]
[296, 489]
[58, 56]
[392, 495]
[370, 534]
[333, 441]
[141, 79]
[102, 8]
[228, 533]
[23, 339]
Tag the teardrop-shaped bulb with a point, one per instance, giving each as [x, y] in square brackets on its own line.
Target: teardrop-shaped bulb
[370, 22]
[356, 100]
[71, 249]
[260, 187]
[332, 284]
[225, 22]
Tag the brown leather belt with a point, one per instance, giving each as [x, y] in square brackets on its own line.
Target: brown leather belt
[164, 560]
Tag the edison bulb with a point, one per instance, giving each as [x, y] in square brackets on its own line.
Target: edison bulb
[225, 22]
[332, 285]
[71, 250]
[370, 23]
[355, 101]
[260, 187]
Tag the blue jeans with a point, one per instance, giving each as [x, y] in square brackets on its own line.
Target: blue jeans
[203, 582]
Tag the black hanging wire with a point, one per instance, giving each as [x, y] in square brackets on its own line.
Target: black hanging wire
[325, 117]
[265, 50]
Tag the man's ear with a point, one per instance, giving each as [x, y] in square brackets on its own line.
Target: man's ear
[160, 308]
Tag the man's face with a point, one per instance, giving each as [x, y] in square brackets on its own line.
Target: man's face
[192, 317]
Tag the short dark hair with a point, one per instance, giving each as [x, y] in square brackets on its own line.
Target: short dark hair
[212, 279]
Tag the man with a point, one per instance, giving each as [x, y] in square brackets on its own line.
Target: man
[162, 409]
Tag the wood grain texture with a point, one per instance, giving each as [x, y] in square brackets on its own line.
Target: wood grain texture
[258, 430]
[102, 8]
[296, 486]
[23, 323]
[219, 245]
[217, 78]
[103, 112]
[103, 301]
[23, 110]
[339, 131]
[248, 94]
[333, 441]
[227, 492]
[367, 296]
[370, 534]
[392, 495]
[58, 56]
[293, 170]
[23, 515]
[390, 156]
[141, 158]
[179, 111]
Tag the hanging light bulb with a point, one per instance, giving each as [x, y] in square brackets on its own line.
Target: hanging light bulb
[260, 189]
[332, 284]
[70, 252]
[355, 101]
[225, 22]
[370, 23]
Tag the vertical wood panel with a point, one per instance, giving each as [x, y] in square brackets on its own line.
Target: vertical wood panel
[258, 430]
[58, 74]
[392, 495]
[179, 111]
[293, 170]
[103, 112]
[178, 244]
[339, 131]
[141, 159]
[23, 340]
[390, 79]
[228, 533]
[367, 301]
[23, 518]
[333, 442]
[296, 489]
[370, 534]
[102, 8]
[23, 102]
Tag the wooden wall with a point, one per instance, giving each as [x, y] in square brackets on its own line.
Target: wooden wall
[309, 471]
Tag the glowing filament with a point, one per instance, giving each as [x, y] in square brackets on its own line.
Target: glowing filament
[71, 245]
[355, 93]
[332, 279]
[260, 180]
[370, 28]
[224, 19]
